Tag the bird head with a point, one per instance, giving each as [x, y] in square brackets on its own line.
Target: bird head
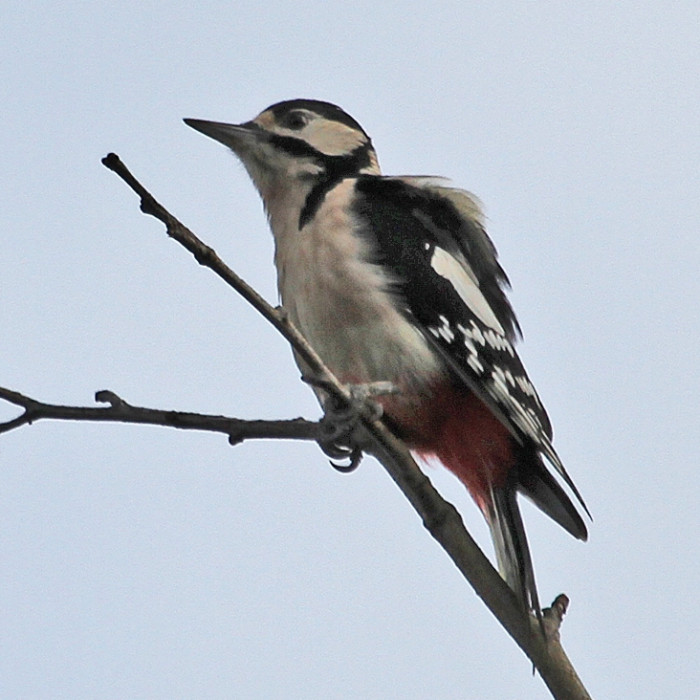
[296, 140]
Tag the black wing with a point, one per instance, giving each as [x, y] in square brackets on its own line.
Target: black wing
[451, 285]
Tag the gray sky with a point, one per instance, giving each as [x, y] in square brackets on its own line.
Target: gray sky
[143, 563]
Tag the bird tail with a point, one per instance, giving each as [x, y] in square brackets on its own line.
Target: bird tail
[502, 513]
[511, 547]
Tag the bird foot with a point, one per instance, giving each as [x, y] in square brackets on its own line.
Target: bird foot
[339, 425]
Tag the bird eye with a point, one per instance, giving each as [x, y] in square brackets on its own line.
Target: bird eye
[295, 120]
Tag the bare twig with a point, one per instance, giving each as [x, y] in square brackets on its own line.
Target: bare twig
[119, 411]
[205, 255]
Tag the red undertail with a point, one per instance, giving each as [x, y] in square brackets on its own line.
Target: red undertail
[462, 433]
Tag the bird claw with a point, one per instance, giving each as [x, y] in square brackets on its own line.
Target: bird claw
[338, 438]
[354, 454]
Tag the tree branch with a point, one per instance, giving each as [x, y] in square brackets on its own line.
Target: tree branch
[119, 411]
[439, 517]
[205, 255]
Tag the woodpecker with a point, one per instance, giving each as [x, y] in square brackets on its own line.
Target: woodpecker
[394, 279]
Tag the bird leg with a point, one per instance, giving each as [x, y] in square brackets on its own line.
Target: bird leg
[339, 437]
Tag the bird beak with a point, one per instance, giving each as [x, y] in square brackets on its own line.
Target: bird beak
[232, 135]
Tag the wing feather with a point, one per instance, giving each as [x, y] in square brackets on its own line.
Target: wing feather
[452, 286]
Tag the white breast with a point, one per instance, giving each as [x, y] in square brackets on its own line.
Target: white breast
[341, 302]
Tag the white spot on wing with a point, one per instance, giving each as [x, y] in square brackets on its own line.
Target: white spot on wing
[454, 272]
[523, 416]
[444, 330]
[470, 336]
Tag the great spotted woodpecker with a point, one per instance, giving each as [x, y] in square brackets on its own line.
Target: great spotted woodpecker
[394, 279]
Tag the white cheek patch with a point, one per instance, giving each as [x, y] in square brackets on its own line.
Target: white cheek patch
[332, 138]
[464, 284]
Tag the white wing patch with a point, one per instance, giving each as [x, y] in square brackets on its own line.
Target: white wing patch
[451, 269]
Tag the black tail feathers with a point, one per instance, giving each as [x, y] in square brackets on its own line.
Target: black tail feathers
[535, 482]
[510, 544]
[506, 525]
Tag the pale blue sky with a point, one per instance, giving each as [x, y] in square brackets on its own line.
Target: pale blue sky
[143, 563]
